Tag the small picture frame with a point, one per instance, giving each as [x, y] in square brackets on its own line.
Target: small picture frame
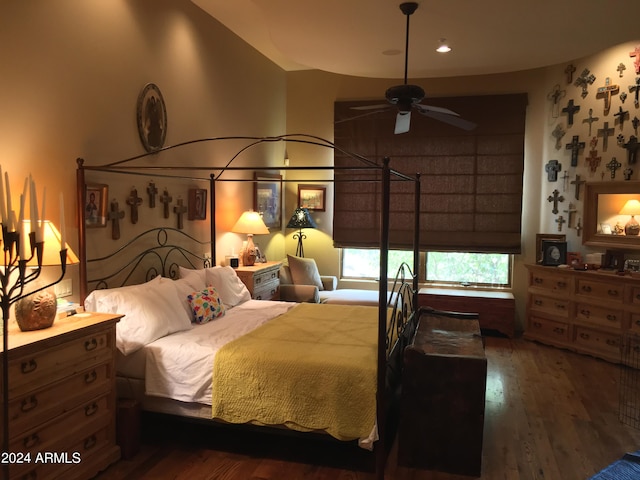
[260, 256]
[613, 260]
[95, 205]
[574, 259]
[554, 253]
[605, 229]
[312, 197]
[197, 209]
[546, 236]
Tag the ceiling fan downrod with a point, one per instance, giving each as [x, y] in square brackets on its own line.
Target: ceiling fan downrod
[407, 8]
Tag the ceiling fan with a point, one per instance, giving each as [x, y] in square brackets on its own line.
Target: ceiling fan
[407, 97]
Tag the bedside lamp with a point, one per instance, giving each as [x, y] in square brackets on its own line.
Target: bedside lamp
[632, 207]
[301, 219]
[251, 223]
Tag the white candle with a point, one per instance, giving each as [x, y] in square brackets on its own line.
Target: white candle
[3, 208]
[40, 231]
[9, 207]
[22, 252]
[63, 229]
[33, 205]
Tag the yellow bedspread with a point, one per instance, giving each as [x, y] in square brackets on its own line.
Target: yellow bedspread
[313, 368]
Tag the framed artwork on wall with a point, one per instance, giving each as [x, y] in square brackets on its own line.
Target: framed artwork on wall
[197, 204]
[95, 205]
[152, 118]
[267, 198]
[312, 197]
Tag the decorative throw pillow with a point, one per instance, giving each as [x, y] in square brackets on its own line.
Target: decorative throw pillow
[304, 271]
[206, 305]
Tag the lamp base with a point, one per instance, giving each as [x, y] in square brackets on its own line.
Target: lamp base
[249, 253]
[37, 311]
[632, 227]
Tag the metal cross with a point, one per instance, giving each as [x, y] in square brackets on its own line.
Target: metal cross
[612, 166]
[570, 110]
[555, 95]
[552, 168]
[622, 116]
[632, 147]
[152, 191]
[570, 214]
[636, 55]
[115, 215]
[635, 88]
[593, 161]
[560, 220]
[577, 182]
[565, 181]
[569, 71]
[575, 147]
[605, 133]
[621, 68]
[623, 96]
[627, 173]
[584, 80]
[180, 209]
[605, 92]
[555, 198]
[558, 133]
[579, 227]
[635, 122]
[590, 119]
[166, 199]
[133, 200]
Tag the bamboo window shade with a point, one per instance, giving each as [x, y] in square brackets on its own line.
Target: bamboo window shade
[471, 181]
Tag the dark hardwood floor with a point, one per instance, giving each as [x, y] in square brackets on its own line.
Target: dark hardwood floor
[550, 414]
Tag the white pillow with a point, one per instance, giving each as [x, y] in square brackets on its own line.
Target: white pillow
[196, 278]
[90, 303]
[150, 310]
[304, 271]
[229, 286]
[184, 287]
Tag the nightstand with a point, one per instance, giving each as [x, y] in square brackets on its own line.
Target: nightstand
[63, 398]
[262, 280]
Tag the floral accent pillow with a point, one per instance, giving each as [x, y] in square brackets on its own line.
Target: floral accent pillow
[205, 305]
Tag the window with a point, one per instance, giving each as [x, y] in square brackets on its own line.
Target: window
[442, 268]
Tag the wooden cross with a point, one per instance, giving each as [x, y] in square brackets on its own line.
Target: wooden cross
[593, 161]
[570, 214]
[558, 133]
[560, 220]
[555, 95]
[133, 200]
[623, 96]
[635, 123]
[569, 72]
[577, 182]
[636, 55]
[590, 119]
[605, 92]
[152, 191]
[575, 147]
[115, 215]
[584, 80]
[579, 227]
[555, 198]
[605, 133]
[552, 168]
[622, 116]
[612, 166]
[621, 68]
[180, 210]
[635, 88]
[166, 199]
[570, 110]
[632, 147]
[627, 173]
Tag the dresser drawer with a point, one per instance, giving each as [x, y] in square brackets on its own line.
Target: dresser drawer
[551, 281]
[635, 295]
[550, 305]
[596, 340]
[607, 291]
[602, 316]
[269, 291]
[262, 279]
[543, 328]
[634, 326]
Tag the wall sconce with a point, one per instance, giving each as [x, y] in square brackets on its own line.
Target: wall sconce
[251, 223]
[443, 47]
[632, 207]
[301, 219]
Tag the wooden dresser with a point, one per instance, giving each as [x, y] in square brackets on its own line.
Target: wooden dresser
[262, 280]
[62, 398]
[586, 311]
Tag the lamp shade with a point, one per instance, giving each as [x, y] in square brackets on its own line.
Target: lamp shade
[52, 245]
[250, 222]
[301, 219]
[632, 207]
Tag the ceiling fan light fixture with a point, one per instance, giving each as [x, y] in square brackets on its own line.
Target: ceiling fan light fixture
[443, 47]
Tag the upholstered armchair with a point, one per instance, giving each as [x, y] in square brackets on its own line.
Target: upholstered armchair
[300, 281]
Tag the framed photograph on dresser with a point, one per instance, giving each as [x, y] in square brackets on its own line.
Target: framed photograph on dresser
[554, 253]
[546, 236]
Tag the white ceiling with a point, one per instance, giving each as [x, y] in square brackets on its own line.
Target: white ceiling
[487, 36]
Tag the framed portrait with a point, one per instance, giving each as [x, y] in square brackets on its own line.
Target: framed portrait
[613, 260]
[554, 253]
[267, 198]
[605, 228]
[197, 207]
[312, 197]
[546, 236]
[95, 205]
[574, 259]
[152, 118]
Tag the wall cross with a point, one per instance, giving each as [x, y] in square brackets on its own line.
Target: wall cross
[622, 116]
[590, 119]
[152, 190]
[560, 220]
[180, 209]
[636, 56]
[612, 166]
[552, 168]
[578, 183]
[605, 92]
[585, 79]
[555, 95]
[166, 199]
[555, 198]
[134, 201]
[627, 173]
[621, 68]
[605, 133]
[570, 110]
[569, 70]
[558, 133]
[570, 214]
[632, 147]
[635, 88]
[579, 227]
[575, 146]
[593, 161]
[115, 215]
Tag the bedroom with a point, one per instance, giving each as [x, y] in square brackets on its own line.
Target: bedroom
[70, 84]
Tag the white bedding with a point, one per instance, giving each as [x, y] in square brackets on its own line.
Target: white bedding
[180, 365]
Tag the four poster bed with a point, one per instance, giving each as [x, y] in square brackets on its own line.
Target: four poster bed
[329, 369]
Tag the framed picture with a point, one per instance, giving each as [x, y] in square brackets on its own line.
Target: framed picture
[95, 205]
[152, 118]
[605, 228]
[554, 253]
[546, 236]
[197, 204]
[613, 260]
[574, 259]
[311, 197]
[267, 198]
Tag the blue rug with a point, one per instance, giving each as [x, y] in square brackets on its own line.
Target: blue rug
[627, 468]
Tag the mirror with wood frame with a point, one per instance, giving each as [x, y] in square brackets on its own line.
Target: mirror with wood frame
[605, 215]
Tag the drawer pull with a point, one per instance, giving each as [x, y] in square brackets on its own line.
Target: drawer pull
[28, 367]
[537, 324]
[559, 330]
[538, 280]
[585, 336]
[562, 284]
[586, 288]
[258, 281]
[29, 404]
[586, 313]
[90, 377]
[538, 302]
[613, 293]
[612, 318]
[560, 306]
[90, 442]
[91, 409]
[611, 342]
[638, 296]
[31, 441]
[90, 344]
[274, 275]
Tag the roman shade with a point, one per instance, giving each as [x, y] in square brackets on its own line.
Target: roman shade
[470, 181]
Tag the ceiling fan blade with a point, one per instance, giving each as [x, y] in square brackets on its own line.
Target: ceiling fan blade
[372, 107]
[403, 122]
[454, 120]
[366, 114]
[430, 108]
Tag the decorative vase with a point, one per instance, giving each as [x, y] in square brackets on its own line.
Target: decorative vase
[37, 311]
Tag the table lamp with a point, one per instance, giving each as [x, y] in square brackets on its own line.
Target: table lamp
[632, 207]
[251, 223]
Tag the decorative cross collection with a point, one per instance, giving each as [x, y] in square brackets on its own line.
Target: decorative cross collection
[606, 91]
[570, 110]
[575, 146]
[622, 116]
[590, 119]
[585, 79]
[552, 168]
[605, 132]
[612, 166]
[555, 198]
[133, 200]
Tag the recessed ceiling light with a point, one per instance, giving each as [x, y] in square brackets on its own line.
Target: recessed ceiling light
[443, 47]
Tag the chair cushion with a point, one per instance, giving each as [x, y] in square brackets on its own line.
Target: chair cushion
[304, 271]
